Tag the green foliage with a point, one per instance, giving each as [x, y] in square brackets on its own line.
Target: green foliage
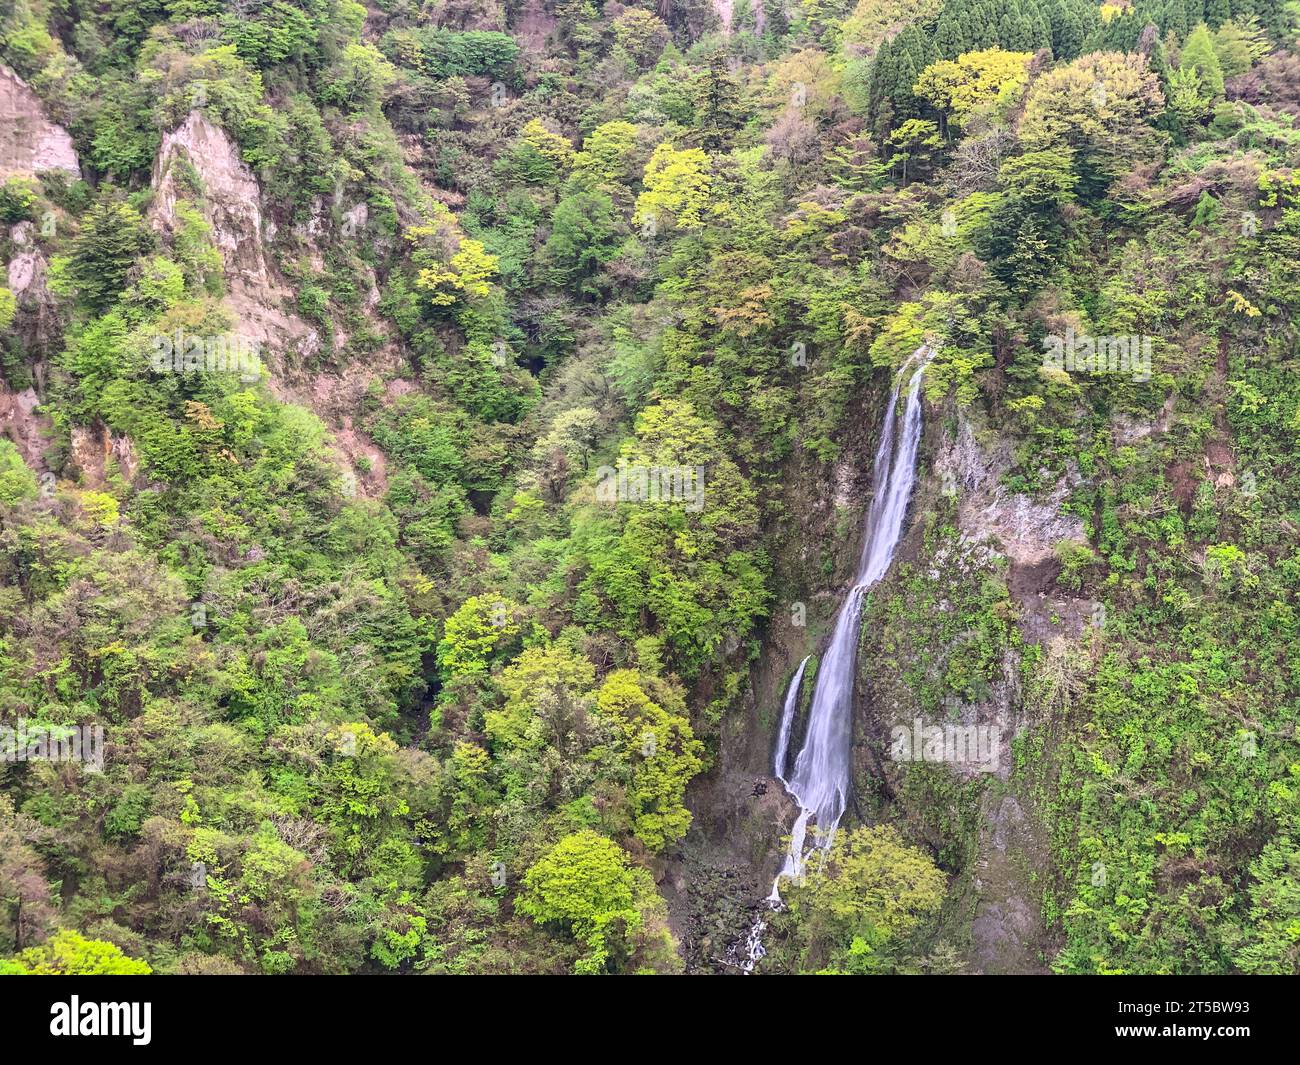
[584, 883]
[17, 482]
[8, 307]
[642, 36]
[607, 154]
[1102, 109]
[371, 633]
[973, 82]
[872, 891]
[68, 953]
[1076, 560]
[280, 33]
[584, 237]
[18, 200]
[112, 235]
[475, 634]
[1270, 945]
[664, 755]
[1199, 55]
[465, 276]
[677, 185]
[1239, 45]
[444, 53]
[532, 684]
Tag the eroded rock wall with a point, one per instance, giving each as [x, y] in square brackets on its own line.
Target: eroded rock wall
[29, 142]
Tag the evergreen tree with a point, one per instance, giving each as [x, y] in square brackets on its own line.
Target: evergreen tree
[776, 22]
[1199, 55]
[1066, 31]
[1120, 34]
[1177, 19]
[112, 236]
[718, 108]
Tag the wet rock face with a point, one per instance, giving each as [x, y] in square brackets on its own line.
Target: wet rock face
[1006, 922]
[29, 141]
[1025, 530]
[723, 903]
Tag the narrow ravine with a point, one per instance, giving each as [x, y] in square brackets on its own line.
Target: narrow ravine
[819, 781]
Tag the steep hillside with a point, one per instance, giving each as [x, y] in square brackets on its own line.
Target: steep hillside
[434, 434]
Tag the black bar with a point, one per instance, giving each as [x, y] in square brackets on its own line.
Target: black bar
[340, 1015]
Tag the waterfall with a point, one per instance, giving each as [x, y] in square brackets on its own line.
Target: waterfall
[787, 720]
[752, 950]
[819, 782]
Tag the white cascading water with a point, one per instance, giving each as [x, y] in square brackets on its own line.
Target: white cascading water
[787, 721]
[820, 779]
[752, 949]
[819, 782]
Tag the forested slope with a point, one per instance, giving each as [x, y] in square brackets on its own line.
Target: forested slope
[338, 338]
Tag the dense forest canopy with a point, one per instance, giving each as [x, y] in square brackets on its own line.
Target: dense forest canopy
[434, 432]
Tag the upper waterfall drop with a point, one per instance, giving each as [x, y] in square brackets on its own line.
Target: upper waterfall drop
[819, 782]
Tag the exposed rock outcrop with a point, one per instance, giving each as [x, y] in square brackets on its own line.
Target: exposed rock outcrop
[20, 423]
[26, 268]
[1023, 529]
[232, 199]
[94, 447]
[29, 142]
[722, 8]
[534, 25]
[38, 324]
[231, 203]
[1006, 919]
[257, 297]
[1026, 530]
